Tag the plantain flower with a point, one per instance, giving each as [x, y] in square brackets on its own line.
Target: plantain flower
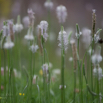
[29, 35]
[18, 26]
[34, 48]
[44, 26]
[61, 13]
[63, 40]
[48, 4]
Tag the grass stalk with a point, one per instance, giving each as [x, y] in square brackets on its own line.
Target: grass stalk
[62, 69]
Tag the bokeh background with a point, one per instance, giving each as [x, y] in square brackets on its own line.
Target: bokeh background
[79, 11]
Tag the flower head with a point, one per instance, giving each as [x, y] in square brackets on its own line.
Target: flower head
[8, 44]
[44, 26]
[86, 36]
[8, 31]
[48, 4]
[97, 72]
[63, 38]
[45, 69]
[61, 13]
[29, 35]
[34, 48]
[18, 26]
[31, 17]
[5, 30]
[96, 57]
[26, 21]
[34, 79]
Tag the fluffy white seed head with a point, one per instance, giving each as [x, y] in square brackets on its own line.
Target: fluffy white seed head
[61, 13]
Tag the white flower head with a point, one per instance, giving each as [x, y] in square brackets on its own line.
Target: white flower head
[63, 38]
[11, 27]
[5, 30]
[8, 44]
[29, 35]
[31, 14]
[90, 51]
[45, 69]
[72, 41]
[26, 21]
[96, 37]
[86, 36]
[49, 65]
[34, 48]
[16, 73]
[56, 71]
[61, 86]
[61, 13]
[34, 79]
[18, 26]
[71, 59]
[44, 26]
[31, 17]
[78, 34]
[48, 4]
[96, 57]
[97, 72]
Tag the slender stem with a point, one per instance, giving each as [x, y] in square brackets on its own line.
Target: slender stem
[78, 47]
[62, 78]
[98, 87]
[31, 77]
[4, 72]
[62, 69]
[74, 84]
[8, 54]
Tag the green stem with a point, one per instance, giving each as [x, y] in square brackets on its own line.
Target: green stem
[62, 69]
[8, 55]
[4, 72]
[98, 87]
[74, 85]
[78, 47]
